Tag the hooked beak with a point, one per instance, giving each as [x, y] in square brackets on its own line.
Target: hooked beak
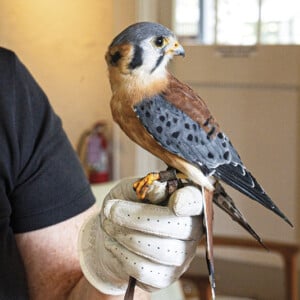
[175, 48]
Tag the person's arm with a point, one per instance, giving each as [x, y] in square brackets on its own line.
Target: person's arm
[52, 266]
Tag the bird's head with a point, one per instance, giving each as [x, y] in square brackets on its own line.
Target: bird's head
[141, 53]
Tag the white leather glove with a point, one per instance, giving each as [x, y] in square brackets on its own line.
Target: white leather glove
[154, 244]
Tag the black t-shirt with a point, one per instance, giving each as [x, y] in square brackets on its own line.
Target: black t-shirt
[41, 180]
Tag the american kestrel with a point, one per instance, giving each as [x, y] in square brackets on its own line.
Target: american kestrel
[167, 118]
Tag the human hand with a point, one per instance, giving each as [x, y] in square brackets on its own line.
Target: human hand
[154, 244]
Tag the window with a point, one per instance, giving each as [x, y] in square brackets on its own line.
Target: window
[236, 22]
[187, 18]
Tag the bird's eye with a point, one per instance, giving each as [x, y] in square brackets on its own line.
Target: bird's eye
[159, 41]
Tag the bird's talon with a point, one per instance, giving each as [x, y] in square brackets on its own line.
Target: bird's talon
[141, 186]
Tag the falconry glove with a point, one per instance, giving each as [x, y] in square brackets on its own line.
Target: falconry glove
[154, 244]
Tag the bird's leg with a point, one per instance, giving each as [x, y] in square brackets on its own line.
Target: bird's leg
[170, 176]
[208, 217]
[173, 179]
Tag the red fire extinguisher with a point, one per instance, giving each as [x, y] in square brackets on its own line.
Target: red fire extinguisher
[94, 153]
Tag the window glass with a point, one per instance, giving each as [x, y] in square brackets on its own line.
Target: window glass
[280, 22]
[238, 22]
[187, 18]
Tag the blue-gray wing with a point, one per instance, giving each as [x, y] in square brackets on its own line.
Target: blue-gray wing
[181, 135]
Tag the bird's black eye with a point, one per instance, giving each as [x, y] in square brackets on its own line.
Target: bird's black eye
[159, 41]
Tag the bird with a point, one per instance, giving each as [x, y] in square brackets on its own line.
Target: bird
[170, 120]
[226, 203]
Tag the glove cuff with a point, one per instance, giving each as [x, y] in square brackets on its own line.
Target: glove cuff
[91, 248]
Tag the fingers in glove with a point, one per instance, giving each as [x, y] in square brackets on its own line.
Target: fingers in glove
[186, 201]
[152, 219]
[123, 190]
[157, 192]
[145, 271]
[165, 251]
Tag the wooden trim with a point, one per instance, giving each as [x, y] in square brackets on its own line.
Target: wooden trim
[287, 251]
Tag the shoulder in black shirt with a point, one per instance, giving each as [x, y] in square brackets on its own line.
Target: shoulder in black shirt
[41, 180]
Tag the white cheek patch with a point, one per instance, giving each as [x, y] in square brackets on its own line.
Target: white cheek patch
[150, 55]
[150, 69]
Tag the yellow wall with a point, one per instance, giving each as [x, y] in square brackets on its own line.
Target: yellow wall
[63, 44]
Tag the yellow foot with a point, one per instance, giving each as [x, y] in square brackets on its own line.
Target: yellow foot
[141, 186]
